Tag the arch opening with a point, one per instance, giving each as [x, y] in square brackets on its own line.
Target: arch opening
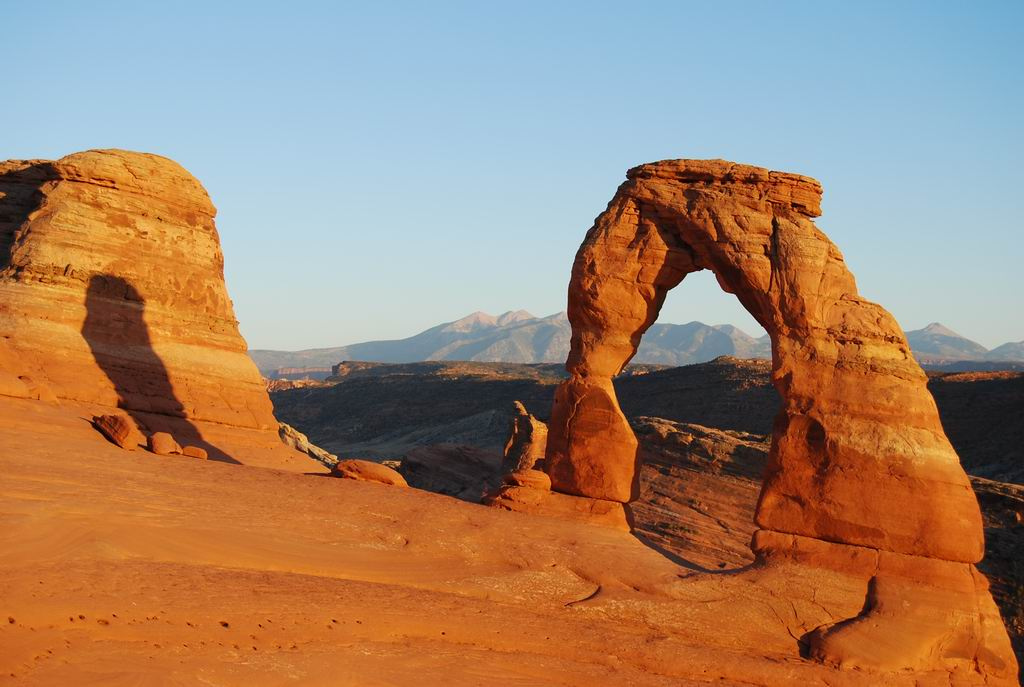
[698, 473]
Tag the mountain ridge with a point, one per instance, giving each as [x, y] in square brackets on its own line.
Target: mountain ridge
[517, 336]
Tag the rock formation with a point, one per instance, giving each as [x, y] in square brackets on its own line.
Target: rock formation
[112, 294]
[861, 480]
[300, 442]
[528, 490]
[698, 489]
[368, 471]
[119, 429]
[525, 492]
[699, 485]
[527, 440]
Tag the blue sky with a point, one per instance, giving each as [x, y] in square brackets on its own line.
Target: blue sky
[382, 167]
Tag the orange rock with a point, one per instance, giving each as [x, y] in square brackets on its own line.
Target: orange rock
[119, 430]
[527, 440]
[194, 452]
[858, 445]
[540, 501]
[163, 444]
[858, 455]
[368, 471]
[920, 613]
[112, 293]
[535, 479]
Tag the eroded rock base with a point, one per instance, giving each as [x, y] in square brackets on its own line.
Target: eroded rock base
[918, 613]
[539, 501]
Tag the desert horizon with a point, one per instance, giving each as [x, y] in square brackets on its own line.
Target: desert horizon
[934, 345]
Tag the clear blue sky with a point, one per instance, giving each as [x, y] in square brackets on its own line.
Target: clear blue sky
[382, 167]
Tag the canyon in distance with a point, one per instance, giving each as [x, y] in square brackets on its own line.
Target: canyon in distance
[586, 498]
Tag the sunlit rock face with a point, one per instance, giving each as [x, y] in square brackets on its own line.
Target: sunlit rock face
[112, 293]
[861, 479]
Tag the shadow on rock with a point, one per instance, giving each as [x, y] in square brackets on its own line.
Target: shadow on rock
[116, 331]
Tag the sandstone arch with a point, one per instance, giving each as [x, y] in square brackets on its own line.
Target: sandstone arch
[859, 462]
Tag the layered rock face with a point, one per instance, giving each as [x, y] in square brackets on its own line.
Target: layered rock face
[458, 470]
[698, 488]
[112, 293]
[860, 471]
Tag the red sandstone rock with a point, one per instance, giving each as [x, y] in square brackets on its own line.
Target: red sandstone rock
[858, 445]
[119, 430]
[535, 479]
[698, 489]
[112, 293]
[368, 471]
[920, 613]
[526, 442]
[528, 490]
[528, 499]
[194, 452]
[163, 444]
[859, 462]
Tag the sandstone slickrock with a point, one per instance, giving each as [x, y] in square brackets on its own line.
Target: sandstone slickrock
[860, 471]
[368, 471]
[699, 485]
[112, 294]
[119, 430]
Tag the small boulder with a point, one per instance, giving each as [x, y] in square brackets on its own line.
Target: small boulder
[368, 471]
[535, 479]
[562, 506]
[194, 452]
[119, 430]
[163, 444]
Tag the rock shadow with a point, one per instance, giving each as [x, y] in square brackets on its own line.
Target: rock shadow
[116, 332]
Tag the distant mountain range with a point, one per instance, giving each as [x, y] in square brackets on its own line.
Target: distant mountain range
[519, 337]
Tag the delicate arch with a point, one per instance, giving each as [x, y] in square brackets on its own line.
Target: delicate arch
[858, 453]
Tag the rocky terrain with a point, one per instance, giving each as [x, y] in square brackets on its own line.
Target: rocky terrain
[982, 414]
[979, 410]
[860, 479]
[703, 432]
[121, 568]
